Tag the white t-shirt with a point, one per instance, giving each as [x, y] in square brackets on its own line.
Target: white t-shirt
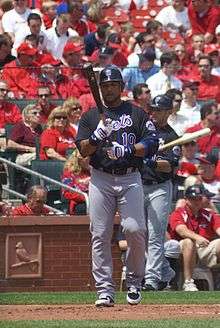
[179, 123]
[55, 43]
[13, 22]
[169, 15]
[193, 113]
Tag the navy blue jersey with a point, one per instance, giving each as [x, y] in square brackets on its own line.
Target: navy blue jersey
[131, 125]
[149, 175]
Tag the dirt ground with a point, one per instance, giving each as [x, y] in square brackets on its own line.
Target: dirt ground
[118, 312]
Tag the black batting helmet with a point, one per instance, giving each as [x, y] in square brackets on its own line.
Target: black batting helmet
[111, 73]
[195, 191]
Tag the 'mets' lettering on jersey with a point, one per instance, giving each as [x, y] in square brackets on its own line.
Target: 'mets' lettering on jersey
[123, 122]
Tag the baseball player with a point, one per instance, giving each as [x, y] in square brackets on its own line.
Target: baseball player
[157, 174]
[116, 183]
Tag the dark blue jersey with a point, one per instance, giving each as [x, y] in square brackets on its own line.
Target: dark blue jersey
[131, 126]
[151, 175]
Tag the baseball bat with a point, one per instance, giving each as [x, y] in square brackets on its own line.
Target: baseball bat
[187, 137]
[90, 75]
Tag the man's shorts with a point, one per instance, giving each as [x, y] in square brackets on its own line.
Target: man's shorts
[207, 255]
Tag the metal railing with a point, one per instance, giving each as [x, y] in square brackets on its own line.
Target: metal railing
[43, 177]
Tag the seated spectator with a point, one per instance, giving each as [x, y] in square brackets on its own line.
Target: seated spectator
[204, 18]
[20, 74]
[5, 51]
[188, 162]
[210, 118]
[57, 138]
[174, 17]
[209, 87]
[74, 111]
[195, 227]
[58, 35]
[95, 40]
[14, 20]
[120, 51]
[76, 175]
[23, 135]
[206, 171]
[35, 205]
[196, 48]
[48, 9]
[185, 68]
[214, 53]
[189, 106]
[164, 80]
[44, 103]
[142, 96]
[9, 112]
[146, 68]
[60, 86]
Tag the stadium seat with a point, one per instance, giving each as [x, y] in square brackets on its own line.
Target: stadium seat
[204, 273]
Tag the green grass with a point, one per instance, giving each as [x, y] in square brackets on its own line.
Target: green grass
[112, 324]
[89, 297]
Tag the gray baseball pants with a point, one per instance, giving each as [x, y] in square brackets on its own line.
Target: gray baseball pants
[157, 204]
[108, 194]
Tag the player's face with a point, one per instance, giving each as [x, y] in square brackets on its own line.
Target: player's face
[111, 93]
[159, 117]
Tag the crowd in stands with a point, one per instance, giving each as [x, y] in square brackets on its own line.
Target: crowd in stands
[167, 46]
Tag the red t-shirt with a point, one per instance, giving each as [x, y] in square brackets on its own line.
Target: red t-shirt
[59, 141]
[9, 114]
[26, 210]
[205, 24]
[209, 89]
[45, 113]
[205, 224]
[206, 143]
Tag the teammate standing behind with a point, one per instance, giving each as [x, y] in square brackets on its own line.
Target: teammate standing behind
[116, 183]
[156, 176]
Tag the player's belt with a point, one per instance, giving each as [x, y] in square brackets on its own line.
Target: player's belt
[119, 171]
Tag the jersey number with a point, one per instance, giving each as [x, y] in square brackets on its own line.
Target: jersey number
[128, 139]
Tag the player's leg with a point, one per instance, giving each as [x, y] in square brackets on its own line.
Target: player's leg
[131, 209]
[159, 204]
[102, 212]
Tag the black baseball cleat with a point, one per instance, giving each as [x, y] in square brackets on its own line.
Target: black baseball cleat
[105, 302]
[133, 296]
[148, 288]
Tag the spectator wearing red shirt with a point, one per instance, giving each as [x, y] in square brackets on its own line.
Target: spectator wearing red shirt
[74, 111]
[9, 112]
[23, 135]
[76, 174]
[72, 58]
[60, 86]
[79, 23]
[43, 103]
[210, 118]
[58, 138]
[204, 17]
[49, 11]
[195, 227]
[209, 87]
[20, 74]
[35, 205]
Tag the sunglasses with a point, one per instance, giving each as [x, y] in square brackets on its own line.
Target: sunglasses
[46, 95]
[216, 113]
[35, 113]
[76, 109]
[3, 90]
[59, 117]
[178, 100]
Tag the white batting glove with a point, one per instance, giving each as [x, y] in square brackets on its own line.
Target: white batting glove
[102, 132]
[118, 151]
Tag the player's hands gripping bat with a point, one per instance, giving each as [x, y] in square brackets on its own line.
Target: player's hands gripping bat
[187, 137]
[104, 127]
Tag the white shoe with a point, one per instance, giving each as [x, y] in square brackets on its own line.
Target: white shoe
[133, 296]
[189, 286]
[104, 302]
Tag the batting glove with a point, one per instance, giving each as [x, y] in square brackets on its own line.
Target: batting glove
[102, 132]
[119, 151]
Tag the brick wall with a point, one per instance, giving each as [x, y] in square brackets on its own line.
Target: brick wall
[66, 254]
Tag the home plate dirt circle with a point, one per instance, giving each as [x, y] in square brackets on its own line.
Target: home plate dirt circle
[118, 312]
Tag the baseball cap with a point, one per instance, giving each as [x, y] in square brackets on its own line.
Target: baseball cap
[161, 102]
[49, 59]
[71, 47]
[26, 49]
[210, 158]
[106, 51]
[207, 193]
[114, 40]
[194, 191]
[190, 84]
